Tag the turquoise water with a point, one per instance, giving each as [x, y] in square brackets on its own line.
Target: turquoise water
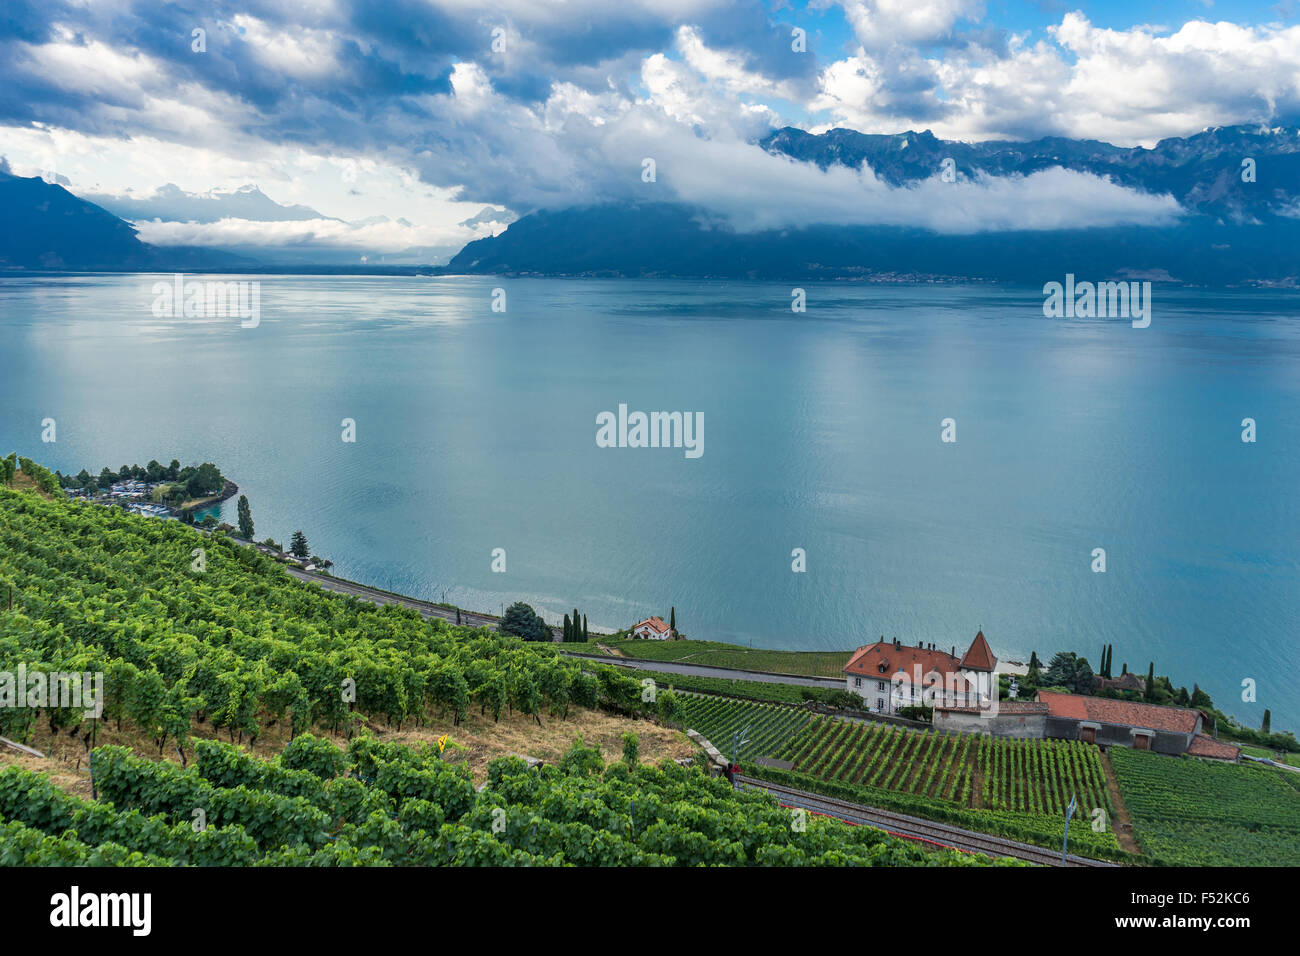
[476, 430]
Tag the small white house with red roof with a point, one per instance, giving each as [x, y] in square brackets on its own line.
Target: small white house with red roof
[890, 675]
[652, 629]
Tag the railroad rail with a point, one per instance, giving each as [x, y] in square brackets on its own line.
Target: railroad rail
[912, 828]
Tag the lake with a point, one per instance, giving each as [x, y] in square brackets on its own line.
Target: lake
[476, 430]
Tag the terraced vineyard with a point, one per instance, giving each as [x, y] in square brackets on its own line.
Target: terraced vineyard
[771, 726]
[1011, 788]
[239, 646]
[1028, 776]
[1188, 812]
[389, 805]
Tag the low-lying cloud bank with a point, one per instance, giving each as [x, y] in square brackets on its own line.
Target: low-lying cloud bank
[751, 189]
[370, 238]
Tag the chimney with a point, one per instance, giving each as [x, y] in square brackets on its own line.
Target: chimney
[954, 651]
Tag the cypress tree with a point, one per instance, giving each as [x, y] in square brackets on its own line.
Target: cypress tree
[1267, 726]
[568, 630]
[1151, 681]
[245, 518]
[584, 628]
[672, 622]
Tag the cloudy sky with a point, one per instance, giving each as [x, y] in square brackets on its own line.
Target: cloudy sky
[425, 123]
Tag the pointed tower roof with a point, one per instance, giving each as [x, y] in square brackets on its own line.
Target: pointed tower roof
[979, 656]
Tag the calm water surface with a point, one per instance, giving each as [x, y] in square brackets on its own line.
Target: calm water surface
[476, 430]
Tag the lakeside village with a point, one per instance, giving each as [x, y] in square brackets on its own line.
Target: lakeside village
[178, 493]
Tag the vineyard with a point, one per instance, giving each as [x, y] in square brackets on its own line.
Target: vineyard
[770, 726]
[1013, 788]
[1189, 812]
[191, 628]
[193, 631]
[391, 805]
[1026, 776]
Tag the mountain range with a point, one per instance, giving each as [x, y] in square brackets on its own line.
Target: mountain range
[172, 203]
[1232, 229]
[47, 228]
[1203, 172]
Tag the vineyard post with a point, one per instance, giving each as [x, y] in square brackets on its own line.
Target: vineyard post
[1069, 812]
[737, 741]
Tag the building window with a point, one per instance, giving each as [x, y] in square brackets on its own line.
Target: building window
[880, 685]
[880, 703]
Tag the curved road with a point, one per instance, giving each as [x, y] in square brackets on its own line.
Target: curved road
[474, 619]
[427, 608]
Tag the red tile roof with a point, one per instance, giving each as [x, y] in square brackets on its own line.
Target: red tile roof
[1129, 681]
[1021, 707]
[979, 656]
[1104, 710]
[1005, 707]
[654, 623]
[1203, 746]
[885, 661]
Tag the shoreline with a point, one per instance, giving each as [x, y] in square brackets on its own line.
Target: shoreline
[228, 491]
[643, 662]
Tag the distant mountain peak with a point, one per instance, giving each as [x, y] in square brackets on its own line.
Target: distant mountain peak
[48, 228]
[170, 203]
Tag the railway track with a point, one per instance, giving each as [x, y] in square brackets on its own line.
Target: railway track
[912, 828]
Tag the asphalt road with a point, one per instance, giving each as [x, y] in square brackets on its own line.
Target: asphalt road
[708, 670]
[471, 619]
[428, 609]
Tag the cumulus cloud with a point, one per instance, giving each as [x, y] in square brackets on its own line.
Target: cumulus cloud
[579, 94]
[1127, 87]
[882, 23]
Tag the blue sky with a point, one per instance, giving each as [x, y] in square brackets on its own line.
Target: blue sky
[420, 124]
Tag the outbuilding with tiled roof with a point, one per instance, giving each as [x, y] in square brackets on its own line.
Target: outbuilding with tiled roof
[1109, 722]
[1211, 749]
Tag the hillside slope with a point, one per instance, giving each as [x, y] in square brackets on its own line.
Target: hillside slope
[236, 647]
[48, 228]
